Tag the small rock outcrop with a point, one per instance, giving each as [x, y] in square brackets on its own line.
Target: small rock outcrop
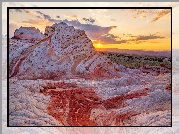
[30, 33]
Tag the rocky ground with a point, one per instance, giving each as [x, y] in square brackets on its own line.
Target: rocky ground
[79, 102]
[59, 79]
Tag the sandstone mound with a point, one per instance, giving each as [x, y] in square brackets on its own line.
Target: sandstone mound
[63, 50]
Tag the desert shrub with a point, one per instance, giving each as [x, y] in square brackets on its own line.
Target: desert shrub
[137, 61]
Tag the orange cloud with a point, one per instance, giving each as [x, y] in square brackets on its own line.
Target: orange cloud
[161, 14]
[35, 22]
[143, 13]
[40, 24]
[30, 12]
[71, 16]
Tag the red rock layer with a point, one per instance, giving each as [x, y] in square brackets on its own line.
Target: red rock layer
[17, 67]
[72, 106]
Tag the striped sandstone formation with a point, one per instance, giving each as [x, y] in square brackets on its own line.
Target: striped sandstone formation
[62, 50]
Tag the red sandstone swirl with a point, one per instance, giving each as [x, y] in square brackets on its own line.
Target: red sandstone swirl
[63, 50]
[75, 106]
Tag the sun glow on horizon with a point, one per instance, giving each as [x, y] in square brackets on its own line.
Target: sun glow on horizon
[99, 45]
[154, 45]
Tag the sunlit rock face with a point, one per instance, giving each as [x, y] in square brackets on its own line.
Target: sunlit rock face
[62, 50]
[84, 88]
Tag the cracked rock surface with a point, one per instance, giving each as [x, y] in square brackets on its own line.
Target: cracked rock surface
[70, 103]
[27, 106]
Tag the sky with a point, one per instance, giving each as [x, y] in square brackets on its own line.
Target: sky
[136, 29]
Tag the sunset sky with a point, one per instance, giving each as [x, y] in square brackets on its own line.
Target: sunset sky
[146, 29]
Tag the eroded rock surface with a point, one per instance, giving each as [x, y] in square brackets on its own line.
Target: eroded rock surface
[85, 87]
[56, 103]
[27, 106]
[62, 50]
